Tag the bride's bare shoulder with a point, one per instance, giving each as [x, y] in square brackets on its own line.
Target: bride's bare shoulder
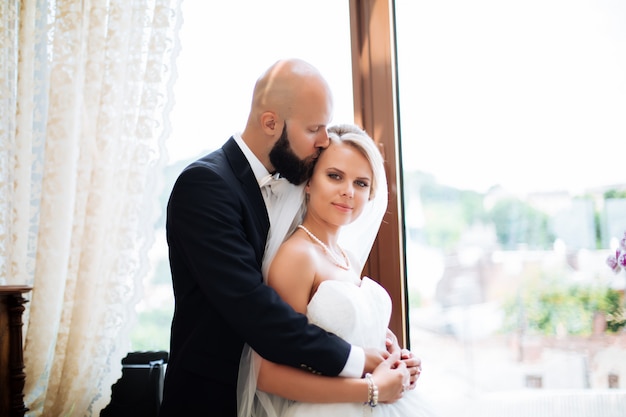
[292, 273]
[295, 254]
[300, 246]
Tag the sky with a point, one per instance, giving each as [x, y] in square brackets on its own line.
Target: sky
[227, 45]
[529, 94]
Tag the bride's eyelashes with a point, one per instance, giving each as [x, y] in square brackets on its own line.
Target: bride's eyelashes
[334, 176]
[361, 183]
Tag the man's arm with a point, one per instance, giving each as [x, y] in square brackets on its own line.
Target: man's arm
[214, 228]
[390, 372]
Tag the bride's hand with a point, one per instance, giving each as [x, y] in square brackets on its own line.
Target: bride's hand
[392, 379]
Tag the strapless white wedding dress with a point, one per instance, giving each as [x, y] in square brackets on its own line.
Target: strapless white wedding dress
[360, 315]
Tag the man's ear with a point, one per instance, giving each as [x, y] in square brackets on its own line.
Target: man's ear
[269, 122]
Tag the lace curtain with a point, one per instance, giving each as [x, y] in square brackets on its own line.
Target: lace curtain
[85, 93]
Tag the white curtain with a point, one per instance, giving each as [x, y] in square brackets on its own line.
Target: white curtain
[85, 92]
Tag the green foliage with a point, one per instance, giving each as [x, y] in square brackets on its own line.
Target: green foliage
[598, 228]
[162, 274]
[448, 211]
[552, 308]
[473, 207]
[615, 313]
[517, 224]
[443, 225]
[153, 330]
[614, 194]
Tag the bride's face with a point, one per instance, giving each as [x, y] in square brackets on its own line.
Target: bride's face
[340, 185]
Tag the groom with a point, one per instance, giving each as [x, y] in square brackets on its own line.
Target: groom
[217, 226]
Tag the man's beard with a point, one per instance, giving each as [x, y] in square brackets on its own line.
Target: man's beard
[282, 157]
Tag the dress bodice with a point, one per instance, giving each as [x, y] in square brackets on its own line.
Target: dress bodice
[358, 313]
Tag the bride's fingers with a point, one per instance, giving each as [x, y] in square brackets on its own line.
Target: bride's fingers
[415, 373]
[392, 378]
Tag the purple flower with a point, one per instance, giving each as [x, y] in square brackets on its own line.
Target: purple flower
[618, 261]
[613, 263]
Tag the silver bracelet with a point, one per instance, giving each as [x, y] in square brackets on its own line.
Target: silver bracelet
[372, 391]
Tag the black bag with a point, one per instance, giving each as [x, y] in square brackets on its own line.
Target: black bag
[138, 393]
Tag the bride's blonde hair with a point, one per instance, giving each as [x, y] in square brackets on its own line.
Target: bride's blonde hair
[357, 138]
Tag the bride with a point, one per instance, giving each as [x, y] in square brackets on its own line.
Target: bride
[317, 272]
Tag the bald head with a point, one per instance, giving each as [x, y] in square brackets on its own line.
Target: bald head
[284, 83]
[291, 92]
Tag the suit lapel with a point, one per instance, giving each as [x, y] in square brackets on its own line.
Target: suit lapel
[243, 172]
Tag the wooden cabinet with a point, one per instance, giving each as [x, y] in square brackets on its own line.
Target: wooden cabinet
[12, 375]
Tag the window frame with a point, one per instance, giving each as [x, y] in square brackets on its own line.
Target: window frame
[374, 76]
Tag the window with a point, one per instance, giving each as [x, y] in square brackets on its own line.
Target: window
[511, 114]
[466, 72]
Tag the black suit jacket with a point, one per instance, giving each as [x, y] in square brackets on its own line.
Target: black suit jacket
[217, 225]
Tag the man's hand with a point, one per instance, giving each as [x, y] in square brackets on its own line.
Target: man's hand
[373, 358]
[392, 342]
[413, 365]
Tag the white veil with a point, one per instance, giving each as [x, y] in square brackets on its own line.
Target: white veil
[356, 238]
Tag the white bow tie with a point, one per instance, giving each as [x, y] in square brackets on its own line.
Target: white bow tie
[268, 179]
[271, 184]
